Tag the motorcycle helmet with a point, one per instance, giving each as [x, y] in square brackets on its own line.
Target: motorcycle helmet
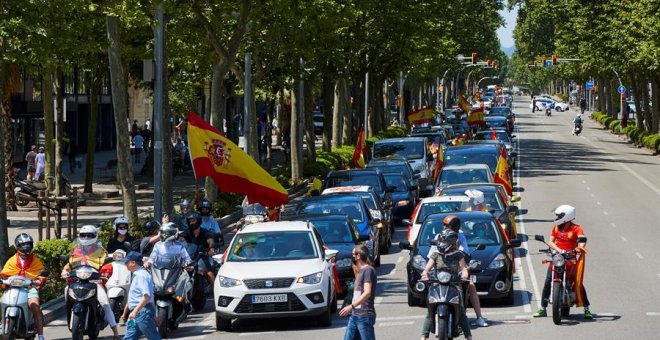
[151, 226]
[476, 197]
[564, 213]
[169, 231]
[121, 224]
[87, 235]
[452, 222]
[447, 239]
[205, 207]
[185, 206]
[24, 244]
[193, 216]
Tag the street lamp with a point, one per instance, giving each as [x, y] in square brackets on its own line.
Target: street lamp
[484, 78]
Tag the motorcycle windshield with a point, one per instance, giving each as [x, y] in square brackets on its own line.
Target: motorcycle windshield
[254, 209]
[166, 262]
[93, 256]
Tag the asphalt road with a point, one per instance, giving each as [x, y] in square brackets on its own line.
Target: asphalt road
[616, 190]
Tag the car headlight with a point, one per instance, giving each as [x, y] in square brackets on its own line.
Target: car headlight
[558, 260]
[343, 263]
[227, 282]
[419, 262]
[376, 214]
[402, 203]
[84, 273]
[444, 277]
[498, 262]
[311, 279]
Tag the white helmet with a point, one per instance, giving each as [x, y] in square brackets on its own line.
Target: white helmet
[565, 213]
[120, 220]
[476, 196]
[87, 235]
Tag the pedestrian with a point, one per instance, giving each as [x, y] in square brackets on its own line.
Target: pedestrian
[72, 152]
[41, 163]
[134, 128]
[142, 319]
[362, 309]
[31, 159]
[138, 142]
[147, 125]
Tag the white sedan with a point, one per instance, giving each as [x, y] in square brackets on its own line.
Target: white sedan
[275, 269]
[543, 103]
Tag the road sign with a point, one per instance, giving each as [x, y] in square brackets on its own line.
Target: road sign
[590, 85]
[548, 64]
[621, 89]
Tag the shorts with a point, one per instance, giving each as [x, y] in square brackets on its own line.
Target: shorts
[33, 293]
[201, 265]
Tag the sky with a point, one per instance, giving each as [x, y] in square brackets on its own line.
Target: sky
[506, 33]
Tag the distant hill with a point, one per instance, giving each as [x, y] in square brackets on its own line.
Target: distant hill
[509, 50]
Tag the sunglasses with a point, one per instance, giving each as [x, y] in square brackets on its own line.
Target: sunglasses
[122, 227]
[87, 236]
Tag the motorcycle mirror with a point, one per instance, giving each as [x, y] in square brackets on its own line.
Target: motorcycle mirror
[44, 272]
[64, 258]
[539, 238]
[217, 258]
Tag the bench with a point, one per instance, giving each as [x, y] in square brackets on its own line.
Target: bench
[108, 170]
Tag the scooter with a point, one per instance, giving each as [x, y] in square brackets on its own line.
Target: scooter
[562, 266]
[548, 111]
[85, 315]
[26, 192]
[577, 129]
[118, 282]
[17, 319]
[169, 293]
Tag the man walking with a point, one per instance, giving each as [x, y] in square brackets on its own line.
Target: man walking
[141, 320]
[362, 309]
[31, 159]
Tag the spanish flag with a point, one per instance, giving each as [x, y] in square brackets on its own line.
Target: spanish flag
[502, 173]
[439, 163]
[463, 103]
[232, 170]
[579, 281]
[476, 96]
[360, 153]
[423, 115]
[476, 117]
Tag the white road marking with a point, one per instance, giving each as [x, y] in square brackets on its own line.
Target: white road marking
[605, 213]
[256, 334]
[584, 182]
[400, 259]
[523, 286]
[400, 323]
[588, 188]
[613, 225]
[604, 314]
[408, 317]
[592, 195]
[522, 317]
[639, 255]
[599, 203]
[652, 313]
[624, 239]
[378, 300]
[392, 272]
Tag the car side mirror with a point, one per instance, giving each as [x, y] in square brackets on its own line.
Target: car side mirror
[515, 198]
[405, 245]
[363, 238]
[539, 238]
[514, 243]
[406, 221]
[512, 209]
[330, 253]
[218, 258]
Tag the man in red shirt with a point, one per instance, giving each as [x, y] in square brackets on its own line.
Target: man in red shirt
[565, 236]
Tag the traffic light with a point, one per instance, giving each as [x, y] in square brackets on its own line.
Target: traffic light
[474, 58]
[554, 59]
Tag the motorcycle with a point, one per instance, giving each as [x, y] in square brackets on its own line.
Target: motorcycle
[17, 319]
[200, 285]
[548, 111]
[169, 293]
[85, 315]
[443, 300]
[26, 192]
[563, 266]
[118, 282]
[577, 129]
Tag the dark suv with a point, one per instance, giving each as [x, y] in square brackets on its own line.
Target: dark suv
[368, 177]
[394, 164]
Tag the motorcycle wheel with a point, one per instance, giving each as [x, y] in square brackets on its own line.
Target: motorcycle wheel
[162, 327]
[565, 311]
[556, 302]
[76, 327]
[441, 329]
[198, 298]
[11, 328]
[21, 202]
[117, 308]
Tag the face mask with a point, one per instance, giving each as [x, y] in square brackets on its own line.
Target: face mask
[353, 260]
[122, 231]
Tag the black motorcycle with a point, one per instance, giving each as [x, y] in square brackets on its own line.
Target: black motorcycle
[26, 192]
[85, 315]
[577, 129]
[200, 285]
[548, 111]
[169, 293]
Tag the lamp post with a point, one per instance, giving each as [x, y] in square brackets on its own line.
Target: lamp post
[458, 73]
[484, 78]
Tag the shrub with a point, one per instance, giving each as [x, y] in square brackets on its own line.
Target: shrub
[49, 252]
[613, 124]
[652, 142]
[606, 121]
[226, 203]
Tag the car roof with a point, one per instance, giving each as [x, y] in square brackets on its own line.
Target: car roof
[275, 226]
[316, 217]
[357, 172]
[466, 166]
[463, 215]
[471, 148]
[392, 159]
[473, 185]
[450, 198]
[332, 198]
[401, 139]
[495, 118]
[347, 189]
[453, 190]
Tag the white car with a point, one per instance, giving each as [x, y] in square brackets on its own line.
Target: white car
[275, 269]
[542, 103]
[433, 205]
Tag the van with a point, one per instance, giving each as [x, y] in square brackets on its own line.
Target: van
[413, 149]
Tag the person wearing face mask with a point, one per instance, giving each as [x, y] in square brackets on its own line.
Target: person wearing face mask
[208, 222]
[26, 264]
[203, 240]
[121, 236]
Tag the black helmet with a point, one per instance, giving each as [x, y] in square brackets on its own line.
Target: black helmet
[452, 222]
[24, 244]
[447, 239]
[205, 204]
[193, 215]
[151, 226]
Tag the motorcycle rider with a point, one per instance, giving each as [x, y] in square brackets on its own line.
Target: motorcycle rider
[90, 252]
[207, 221]
[25, 263]
[151, 237]
[120, 237]
[180, 219]
[203, 239]
[577, 122]
[564, 237]
[448, 256]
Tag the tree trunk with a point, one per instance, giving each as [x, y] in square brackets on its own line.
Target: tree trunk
[634, 81]
[346, 110]
[95, 90]
[379, 110]
[644, 88]
[251, 127]
[47, 102]
[218, 109]
[4, 130]
[601, 95]
[119, 103]
[611, 107]
[337, 110]
[296, 130]
[310, 136]
[328, 113]
[655, 117]
[59, 135]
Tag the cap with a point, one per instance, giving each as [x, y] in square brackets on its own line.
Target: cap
[134, 256]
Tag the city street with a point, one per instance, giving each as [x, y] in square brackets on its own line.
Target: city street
[615, 188]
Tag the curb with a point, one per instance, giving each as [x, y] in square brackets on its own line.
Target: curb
[52, 309]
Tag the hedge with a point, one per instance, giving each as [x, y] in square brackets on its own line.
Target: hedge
[636, 135]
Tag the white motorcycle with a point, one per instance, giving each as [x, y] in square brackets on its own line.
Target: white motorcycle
[118, 282]
[17, 319]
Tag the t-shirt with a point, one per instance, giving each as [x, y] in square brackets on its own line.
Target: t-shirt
[145, 246]
[142, 284]
[366, 308]
[31, 159]
[201, 240]
[450, 261]
[138, 141]
[114, 244]
[41, 159]
[567, 238]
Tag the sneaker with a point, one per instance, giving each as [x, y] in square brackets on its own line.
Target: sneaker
[481, 322]
[587, 314]
[41, 337]
[540, 313]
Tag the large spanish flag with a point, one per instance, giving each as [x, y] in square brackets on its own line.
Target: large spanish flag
[439, 163]
[232, 170]
[476, 117]
[578, 285]
[360, 152]
[463, 103]
[502, 173]
[423, 115]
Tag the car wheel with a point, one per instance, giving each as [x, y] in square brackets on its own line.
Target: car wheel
[325, 319]
[222, 324]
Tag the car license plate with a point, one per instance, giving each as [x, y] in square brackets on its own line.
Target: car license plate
[473, 278]
[269, 298]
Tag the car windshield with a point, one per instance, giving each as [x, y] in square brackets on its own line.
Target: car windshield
[392, 168]
[491, 197]
[430, 208]
[352, 209]
[500, 111]
[456, 158]
[334, 231]
[458, 176]
[476, 230]
[488, 135]
[408, 149]
[396, 180]
[273, 246]
[351, 179]
[430, 228]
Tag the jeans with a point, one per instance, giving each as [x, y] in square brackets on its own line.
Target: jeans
[545, 296]
[360, 328]
[145, 325]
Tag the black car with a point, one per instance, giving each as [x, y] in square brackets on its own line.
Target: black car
[503, 111]
[494, 275]
[473, 154]
[369, 177]
[339, 233]
[496, 122]
[433, 133]
[402, 197]
[395, 164]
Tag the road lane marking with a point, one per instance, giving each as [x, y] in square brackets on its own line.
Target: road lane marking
[658, 274]
[605, 213]
[400, 323]
[605, 314]
[588, 188]
[624, 239]
[613, 225]
[255, 334]
[378, 300]
[408, 317]
[523, 286]
[598, 203]
[592, 195]
[522, 317]
[652, 313]
[639, 255]
[400, 259]
[392, 272]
